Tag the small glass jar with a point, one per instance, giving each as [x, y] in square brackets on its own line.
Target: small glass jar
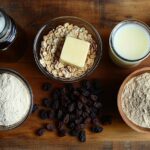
[119, 59]
[8, 31]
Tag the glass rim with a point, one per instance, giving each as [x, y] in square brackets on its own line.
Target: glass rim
[67, 80]
[122, 23]
[25, 82]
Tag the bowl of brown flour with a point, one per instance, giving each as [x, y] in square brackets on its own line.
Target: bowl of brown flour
[134, 100]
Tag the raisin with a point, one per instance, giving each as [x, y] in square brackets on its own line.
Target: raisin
[87, 120]
[94, 110]
[93, 115]
[55, 104]
[63, 91]
[34, 108]
[46, 86]
[51, 114]
[76, 93]
[87, 109]
[40, 131]
[71, 125]
[80, 105]
[79, 120]
[43, 114]
[50, 127]
[96, 129]
[86, 84]
[83, 99]
[66, 119]
[62, 133]
[59, 114]
[94, 97]
[46, 102]
[85, 114]
[72, 117]
[80, 127]
[72, 97]
[82, 136]
[60, 125]
[96, 122]
[74, 132]
[79, 113]
[71, 107]
[85, 92]
[56, 94]
[97, 105]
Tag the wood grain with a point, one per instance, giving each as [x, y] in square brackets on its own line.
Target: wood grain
[103, 14]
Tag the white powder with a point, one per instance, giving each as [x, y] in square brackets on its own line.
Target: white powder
[14, 100]
[136, 100]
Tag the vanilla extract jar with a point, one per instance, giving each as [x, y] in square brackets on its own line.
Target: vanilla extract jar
[129, 43]
[8, 31]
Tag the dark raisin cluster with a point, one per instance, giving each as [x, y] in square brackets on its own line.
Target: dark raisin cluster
[73, 109]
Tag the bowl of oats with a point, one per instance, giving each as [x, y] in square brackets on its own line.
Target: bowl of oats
[67, 49]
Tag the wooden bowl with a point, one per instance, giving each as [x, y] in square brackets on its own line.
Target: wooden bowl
[123, 115]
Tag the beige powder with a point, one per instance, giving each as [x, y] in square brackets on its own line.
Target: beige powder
[136, 100]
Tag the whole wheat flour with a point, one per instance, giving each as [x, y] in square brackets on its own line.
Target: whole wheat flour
[136, 100]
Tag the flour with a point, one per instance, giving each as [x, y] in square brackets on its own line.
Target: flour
[136, 100]
[14, 100]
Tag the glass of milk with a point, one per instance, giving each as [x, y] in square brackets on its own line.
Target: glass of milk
[129, 43]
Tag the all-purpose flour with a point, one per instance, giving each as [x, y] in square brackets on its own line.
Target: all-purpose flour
[14, 100]
[136, 100]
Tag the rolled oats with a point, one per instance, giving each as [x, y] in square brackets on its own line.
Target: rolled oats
[51, 48]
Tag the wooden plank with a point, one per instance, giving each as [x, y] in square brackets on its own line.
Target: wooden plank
[103, 14]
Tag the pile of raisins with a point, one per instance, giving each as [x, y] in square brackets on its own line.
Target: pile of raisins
[73, 109]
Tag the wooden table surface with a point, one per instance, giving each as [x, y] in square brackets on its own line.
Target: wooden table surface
[30, 15]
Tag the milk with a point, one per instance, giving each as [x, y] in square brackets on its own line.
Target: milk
[129, 43]
[2, 23]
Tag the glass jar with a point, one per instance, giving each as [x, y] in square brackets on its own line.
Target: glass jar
[134, 43]
[13, 41]
[8, 31]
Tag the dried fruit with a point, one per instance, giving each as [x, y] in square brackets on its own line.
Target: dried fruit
[73, 109]
[66, 119]
[59, 114]
[40, 131]
[82, 136]
[43, 114]
[62, 133]
[86, 84]
[46, 86]
[94, 97]
[34, 108]
[46, 102]
[51, 114]
[50, 127]
[74, 132]
[71, 125]
[96, 129]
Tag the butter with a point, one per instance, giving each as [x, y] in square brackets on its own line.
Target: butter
[75, 52]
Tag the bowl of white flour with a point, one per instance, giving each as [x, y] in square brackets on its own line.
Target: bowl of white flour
[16, 99]
[134, 100]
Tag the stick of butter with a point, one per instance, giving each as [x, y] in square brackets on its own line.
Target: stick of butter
[74, 51]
